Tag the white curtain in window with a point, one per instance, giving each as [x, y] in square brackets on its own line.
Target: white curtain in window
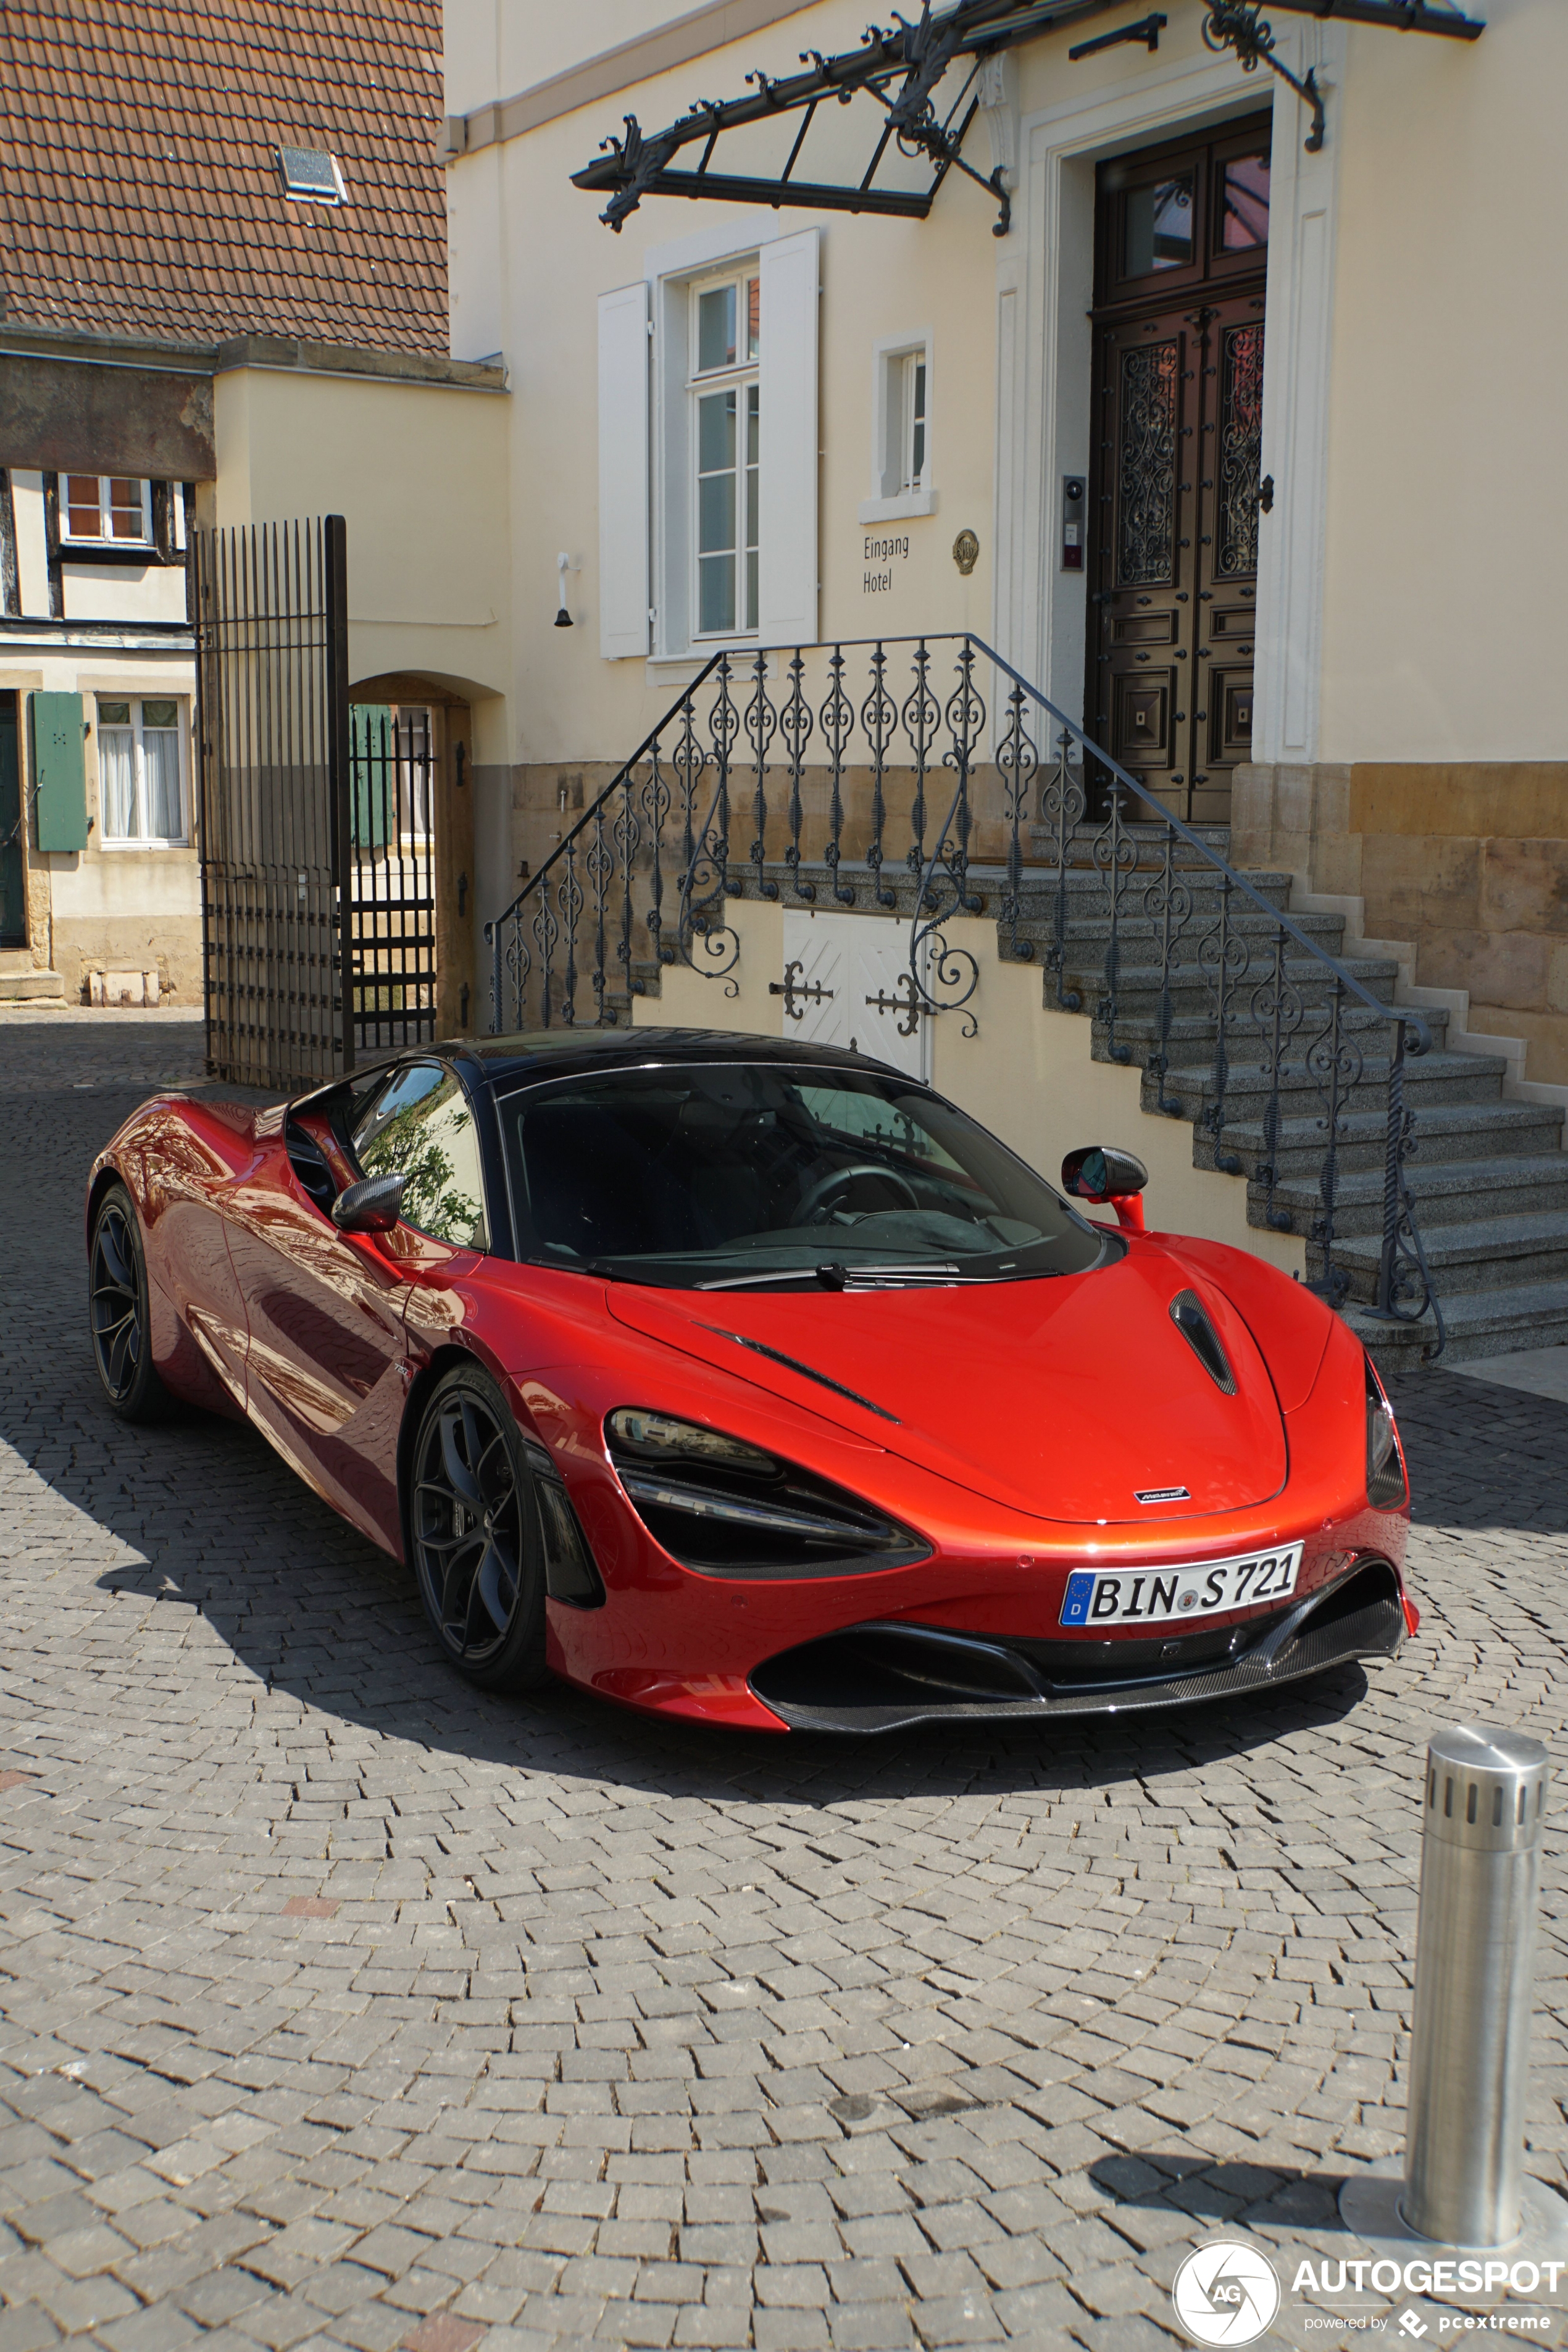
[116, 757]
[160, 761]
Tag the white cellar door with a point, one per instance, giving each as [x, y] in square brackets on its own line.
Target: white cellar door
[847, 983]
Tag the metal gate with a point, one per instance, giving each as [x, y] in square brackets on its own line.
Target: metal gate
[392, 876]
[316, 823]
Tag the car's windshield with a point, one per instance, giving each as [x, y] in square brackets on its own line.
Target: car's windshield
[758, 1175]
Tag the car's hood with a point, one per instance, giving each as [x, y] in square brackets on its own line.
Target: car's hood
[1067, 1398]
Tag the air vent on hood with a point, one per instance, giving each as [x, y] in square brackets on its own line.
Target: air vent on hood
[1191, 1320]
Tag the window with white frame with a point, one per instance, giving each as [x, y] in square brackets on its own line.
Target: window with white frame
[113, 508]
[725, 397]
[141, 770]
[900, 430]
[909, 450]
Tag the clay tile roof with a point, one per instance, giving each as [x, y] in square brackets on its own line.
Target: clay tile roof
[139, 185]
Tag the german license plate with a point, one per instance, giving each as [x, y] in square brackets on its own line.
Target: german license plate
[1160, 1596]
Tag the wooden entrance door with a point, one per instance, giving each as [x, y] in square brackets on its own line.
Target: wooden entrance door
[1181, 248]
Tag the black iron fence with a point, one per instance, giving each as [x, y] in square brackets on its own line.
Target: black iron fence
[270, 606]
[316, 822]
[880, 775]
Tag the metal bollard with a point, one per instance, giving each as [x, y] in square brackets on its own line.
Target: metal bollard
[1480, 1874]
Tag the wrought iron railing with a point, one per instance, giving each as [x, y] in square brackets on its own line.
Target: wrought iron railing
[870, 775]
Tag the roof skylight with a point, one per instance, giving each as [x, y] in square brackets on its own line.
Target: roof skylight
[312, 174]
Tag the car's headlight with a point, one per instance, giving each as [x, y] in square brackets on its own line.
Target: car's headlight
[1386, 1484]
[726, 1509]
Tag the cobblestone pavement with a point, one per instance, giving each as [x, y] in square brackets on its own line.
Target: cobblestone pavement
[340, 2007]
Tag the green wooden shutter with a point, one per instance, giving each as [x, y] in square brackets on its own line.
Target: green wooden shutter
[59, 771]
[374, 774]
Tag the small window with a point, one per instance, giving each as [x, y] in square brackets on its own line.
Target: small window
[106, 509]
[310, 174]
[420, 1127]
[1159, 227]
[1244, 203]
[140, 772]
[901, 446]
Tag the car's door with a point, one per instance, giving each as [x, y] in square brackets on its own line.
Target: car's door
[325, 1369]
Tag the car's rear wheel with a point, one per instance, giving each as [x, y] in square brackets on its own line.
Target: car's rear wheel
[474, 1534]
[117, 1311]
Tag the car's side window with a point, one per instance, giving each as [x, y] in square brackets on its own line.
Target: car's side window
[419, 1127]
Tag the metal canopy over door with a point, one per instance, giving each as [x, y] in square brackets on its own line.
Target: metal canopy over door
[12, 861]
[1181, 248]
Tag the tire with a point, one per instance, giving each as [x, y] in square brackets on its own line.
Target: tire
[474, 1534]
[117, 1321]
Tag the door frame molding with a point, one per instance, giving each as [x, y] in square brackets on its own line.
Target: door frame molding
[1045, 282]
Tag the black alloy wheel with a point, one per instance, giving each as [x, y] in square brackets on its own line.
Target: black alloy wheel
[117, 1312]
[475, 1534]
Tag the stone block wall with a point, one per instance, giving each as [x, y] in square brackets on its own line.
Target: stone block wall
[1468, 861]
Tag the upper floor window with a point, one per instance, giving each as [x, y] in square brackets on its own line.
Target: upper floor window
[725, 396]
[139, 768]
[107, 507]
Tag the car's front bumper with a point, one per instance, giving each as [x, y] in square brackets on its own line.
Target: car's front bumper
[887, 1674]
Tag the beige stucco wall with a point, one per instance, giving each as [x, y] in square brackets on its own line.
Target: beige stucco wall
[420, 471]
[1447, 469]
[1026, 1074]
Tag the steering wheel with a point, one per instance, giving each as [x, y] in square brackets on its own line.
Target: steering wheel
[821, 1192]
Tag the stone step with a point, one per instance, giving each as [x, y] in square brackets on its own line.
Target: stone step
[1478, 1324]
[1190, 1036]
[1437, 1077]
[1467, 1131]
[31, 986]
[1484, 1255]
[1443, 1194]
[1138, 1007]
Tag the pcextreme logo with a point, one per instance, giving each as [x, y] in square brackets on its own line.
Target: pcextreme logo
[1226, 2294]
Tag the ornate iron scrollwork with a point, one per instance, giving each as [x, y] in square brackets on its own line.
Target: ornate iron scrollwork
[1236, 25]
[910, 1005]
[1146, 522]
[1240, 449]
[798, 993]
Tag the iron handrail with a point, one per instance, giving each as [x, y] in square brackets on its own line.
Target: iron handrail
[1421, 1038]
[596, 807]
[1421, 1042]
[946, 729]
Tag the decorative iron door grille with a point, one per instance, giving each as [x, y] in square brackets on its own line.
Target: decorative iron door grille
[269, 604]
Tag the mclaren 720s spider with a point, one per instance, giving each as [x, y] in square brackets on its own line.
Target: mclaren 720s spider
[754, 1383]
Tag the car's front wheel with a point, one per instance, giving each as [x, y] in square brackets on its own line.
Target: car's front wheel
[474, 1536]
[117, 1311]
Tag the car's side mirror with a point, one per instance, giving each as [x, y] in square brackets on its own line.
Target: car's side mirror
[372, 1206]
[1099, 1171]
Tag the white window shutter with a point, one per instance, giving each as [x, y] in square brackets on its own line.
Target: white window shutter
[623, 473]
[787, 467]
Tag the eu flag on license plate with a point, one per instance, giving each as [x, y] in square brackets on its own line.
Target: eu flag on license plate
[1076, 1600]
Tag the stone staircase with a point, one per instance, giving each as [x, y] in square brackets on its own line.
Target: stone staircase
[1488, 1176]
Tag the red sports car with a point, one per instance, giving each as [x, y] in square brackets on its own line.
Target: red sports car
[754, 1383]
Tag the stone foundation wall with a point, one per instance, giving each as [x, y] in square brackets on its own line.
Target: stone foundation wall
[1468, 861]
